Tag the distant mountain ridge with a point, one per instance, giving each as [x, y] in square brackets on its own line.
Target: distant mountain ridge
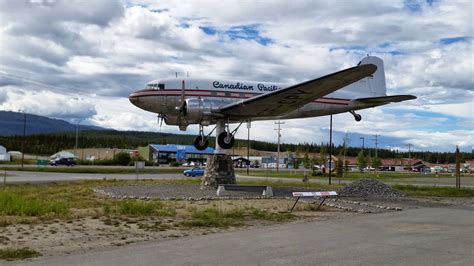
[11, 123]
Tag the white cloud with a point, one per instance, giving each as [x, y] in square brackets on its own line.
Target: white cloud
[65, 51]
[47, 103]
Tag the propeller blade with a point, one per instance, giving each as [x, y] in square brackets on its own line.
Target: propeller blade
[182, 108]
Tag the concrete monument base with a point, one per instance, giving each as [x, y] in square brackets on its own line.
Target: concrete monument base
[219, 170]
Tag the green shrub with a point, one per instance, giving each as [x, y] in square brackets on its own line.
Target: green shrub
[122, 158]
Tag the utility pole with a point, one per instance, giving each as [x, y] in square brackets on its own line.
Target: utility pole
[330, 146]
[346, 142]
[409, 150]
[248, 145]
[23, 142]
[278, 151]
[409, 153]
[376, 143]
[363, 144]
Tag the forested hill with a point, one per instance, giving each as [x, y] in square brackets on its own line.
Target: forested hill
[11, 123]
[47, 144]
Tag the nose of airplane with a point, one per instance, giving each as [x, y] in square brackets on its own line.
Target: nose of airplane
[133, 99]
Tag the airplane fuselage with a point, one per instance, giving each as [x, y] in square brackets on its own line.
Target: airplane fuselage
[183, 102]
[204, 96]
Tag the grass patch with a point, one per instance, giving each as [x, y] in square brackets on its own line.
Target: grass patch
[140, 208]
[14, 204]
[214, 217]
[428, 191]
[18, 254]
[59, 200]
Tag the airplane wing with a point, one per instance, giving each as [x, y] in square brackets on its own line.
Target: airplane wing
[376, 101]
[291, 98]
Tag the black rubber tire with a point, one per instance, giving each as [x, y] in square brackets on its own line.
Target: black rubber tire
[358, 117]
[225, 142]
[187, 174]
[199, 144]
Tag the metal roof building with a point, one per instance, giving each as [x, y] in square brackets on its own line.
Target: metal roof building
[173, 148]
[162, 154]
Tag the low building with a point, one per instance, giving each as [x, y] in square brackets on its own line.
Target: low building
[4, 155]
[241, 161]
[91, 154]
[164, 154]
[271, 162]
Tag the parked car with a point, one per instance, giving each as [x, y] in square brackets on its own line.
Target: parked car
[63, 161]
[196, 171]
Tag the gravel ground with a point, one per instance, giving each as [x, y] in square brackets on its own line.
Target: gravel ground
[184, 191]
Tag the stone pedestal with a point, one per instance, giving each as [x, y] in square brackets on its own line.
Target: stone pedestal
[219, 170]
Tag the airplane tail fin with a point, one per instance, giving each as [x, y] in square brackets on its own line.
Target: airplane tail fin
[373, 85]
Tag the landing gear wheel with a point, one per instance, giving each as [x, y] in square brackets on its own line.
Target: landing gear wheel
[357, 117]
[201, 143]
[225, 140]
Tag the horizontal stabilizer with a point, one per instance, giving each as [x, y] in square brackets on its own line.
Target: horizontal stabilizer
[384, 99]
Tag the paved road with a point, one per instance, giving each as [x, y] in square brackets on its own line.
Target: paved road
[426, 236]
[33, 177]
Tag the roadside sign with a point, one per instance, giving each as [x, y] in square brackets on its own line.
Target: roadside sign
[315, 194]
[139, 164]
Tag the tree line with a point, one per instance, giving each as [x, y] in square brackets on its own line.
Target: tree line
[47, 144]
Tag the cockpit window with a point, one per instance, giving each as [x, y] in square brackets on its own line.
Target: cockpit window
[155, 86]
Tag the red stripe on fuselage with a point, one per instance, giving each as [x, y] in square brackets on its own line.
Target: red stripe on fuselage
[224, 94]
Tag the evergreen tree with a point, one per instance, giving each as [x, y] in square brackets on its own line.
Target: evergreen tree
[307, 162]
[323, 158]
[376, 163]
[361, 161]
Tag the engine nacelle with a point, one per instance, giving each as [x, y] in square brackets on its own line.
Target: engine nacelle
[197, 111]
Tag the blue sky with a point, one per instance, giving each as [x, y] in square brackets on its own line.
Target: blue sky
[83, 63]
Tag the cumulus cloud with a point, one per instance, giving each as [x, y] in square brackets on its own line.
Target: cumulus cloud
[89, 55]
[47, 103]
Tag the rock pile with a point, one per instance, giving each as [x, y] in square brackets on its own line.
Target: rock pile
[368, 188]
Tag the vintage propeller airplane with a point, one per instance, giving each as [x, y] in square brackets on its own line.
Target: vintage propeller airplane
[206, 102]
